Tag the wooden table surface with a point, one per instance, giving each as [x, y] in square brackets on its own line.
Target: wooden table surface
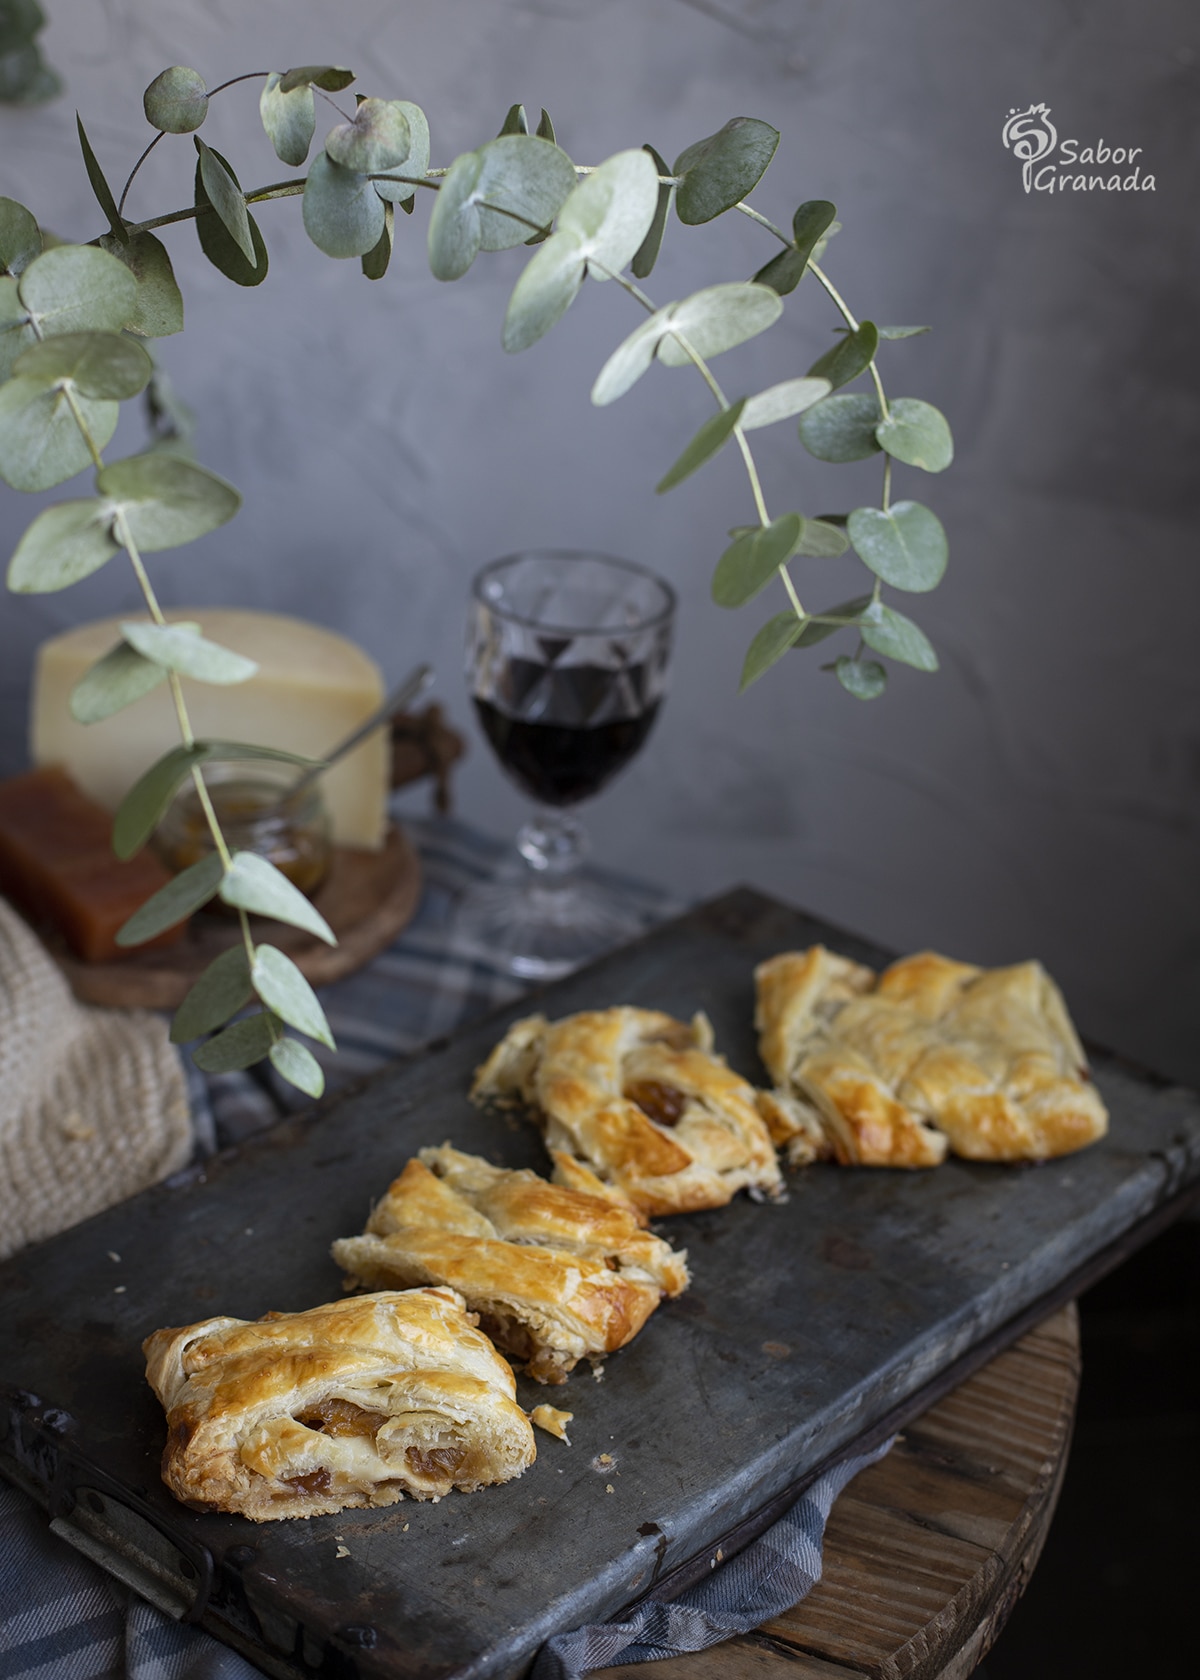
[927, 1551]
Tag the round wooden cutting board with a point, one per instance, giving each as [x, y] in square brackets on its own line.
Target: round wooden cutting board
[366, 898]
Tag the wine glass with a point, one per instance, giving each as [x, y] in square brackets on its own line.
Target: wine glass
[567, 657]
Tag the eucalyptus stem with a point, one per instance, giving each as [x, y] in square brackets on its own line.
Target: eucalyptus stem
[887, 481]
[125, 536]
[134, 170]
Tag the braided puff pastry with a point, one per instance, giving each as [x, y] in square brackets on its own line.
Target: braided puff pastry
[930, 1055]
[555, 1273]
[641, 1100]
[358, 1403]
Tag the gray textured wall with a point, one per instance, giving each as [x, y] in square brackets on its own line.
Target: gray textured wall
[1042, 794]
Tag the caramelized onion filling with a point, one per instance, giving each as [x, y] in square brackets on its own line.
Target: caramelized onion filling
[341, 1417]
[315, 1481]
[664, 1103]
[436, 1464]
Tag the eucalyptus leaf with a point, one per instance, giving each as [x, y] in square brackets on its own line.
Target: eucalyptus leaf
[142, 809]
[20, 237]
[545, 128]
[16, 334]
[174, 903]
[777, 635]
[166, 501]
[100, 186]
[176, 102]
[218, 244]
[181, 648]
[916, 433]
[289, 119]
[239, 1046]
[902, 332]
[375, 261]
[282, 987]
[522, 185]
[888, 632]
[515, 122]
[904, 545]
[417, 162]
[785, 271]
[866, 679]
[646, 255]
[98, 364]
[41, 444]
[225, 196]
[717, 319]
[252, 883]
[377, 137]
[297, 1064]
[158, 308]
[331, 77]
[841, 428]
[818, 626]
[114, 682]
[851, 356]
[78, 288]
[712, 436]
[223, 751]
[781, 402]
[343, 214]
[819, 540]
[547, 288]
[220, 992]
[718, 172]
[630, 359]
[454, 234]
[753, 559]
[65, 543]
[611, 211]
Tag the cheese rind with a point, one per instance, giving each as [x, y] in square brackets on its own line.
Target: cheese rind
[312, 688]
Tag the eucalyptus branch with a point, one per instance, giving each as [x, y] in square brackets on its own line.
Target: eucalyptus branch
[134, 170]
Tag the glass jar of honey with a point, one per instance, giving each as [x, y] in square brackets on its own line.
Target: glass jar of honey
[257, 813]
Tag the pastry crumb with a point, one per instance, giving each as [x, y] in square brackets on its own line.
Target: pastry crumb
[404, 1530]
[342, 1551]
[605, 1458]
[609, 1488]
[114, 1257]
[552, 1421]
[119, 1290]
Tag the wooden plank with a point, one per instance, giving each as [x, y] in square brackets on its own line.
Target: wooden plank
[927, 1551]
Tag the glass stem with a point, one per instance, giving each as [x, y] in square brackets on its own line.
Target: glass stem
[553, 844]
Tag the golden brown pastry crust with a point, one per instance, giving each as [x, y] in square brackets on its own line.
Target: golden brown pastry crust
[556, 1273]
[642, 1100]
[930, 1055]
[355, 1403]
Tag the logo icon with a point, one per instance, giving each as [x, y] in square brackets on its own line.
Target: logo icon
[1030, 136]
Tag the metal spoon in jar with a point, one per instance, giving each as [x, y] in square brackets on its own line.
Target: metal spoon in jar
[413, 686]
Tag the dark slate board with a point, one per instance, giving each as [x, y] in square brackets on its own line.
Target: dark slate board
[805, 1324]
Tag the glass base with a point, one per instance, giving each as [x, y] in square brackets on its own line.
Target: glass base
[540, 930]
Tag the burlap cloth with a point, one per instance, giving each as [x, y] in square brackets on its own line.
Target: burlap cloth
[93, 1104]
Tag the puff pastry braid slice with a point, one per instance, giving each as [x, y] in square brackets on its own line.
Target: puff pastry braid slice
[356, 1403]
[641, 1100]
[555, 1273]
[928, 1056]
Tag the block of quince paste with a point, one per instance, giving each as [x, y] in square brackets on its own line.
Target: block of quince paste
[641, 1101]
[58, 867]
[313, 687]
[556, 1274]
[356, 1403]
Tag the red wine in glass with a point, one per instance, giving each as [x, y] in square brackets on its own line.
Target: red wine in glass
[567, 662]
